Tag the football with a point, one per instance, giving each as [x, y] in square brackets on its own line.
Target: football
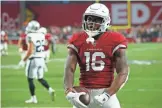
[83, 98]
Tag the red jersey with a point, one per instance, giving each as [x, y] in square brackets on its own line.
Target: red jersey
[23, 43]
[96, 61]
[48, 38]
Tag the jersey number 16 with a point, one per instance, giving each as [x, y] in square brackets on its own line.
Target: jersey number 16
[91, 61]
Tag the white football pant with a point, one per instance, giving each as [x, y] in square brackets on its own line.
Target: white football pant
[1, 46]
[35, 68]
[4, 48]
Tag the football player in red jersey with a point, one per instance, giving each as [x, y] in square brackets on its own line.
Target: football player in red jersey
[4, 43]
[99, 53]
[48, 38]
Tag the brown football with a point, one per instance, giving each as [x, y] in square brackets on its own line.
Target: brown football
[83, 98]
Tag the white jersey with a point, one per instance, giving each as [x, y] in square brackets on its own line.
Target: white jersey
[38, 39]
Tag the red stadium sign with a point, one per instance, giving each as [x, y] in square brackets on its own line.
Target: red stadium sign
[10, 15]
[70, 14]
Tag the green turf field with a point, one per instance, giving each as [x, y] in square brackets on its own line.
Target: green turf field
[143, 90]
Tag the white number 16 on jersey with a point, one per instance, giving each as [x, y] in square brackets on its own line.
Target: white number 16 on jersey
[91, 61]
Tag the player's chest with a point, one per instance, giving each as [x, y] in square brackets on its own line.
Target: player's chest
[96, 50]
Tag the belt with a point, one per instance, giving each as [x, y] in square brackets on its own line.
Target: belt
[34, 58]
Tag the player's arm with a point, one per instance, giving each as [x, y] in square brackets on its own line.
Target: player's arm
[30, 50]
[20, 42]
[122, 71]
[70, 68]
[6, 37]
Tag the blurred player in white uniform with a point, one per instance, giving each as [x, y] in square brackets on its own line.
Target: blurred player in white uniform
[34, 59]
[4, 43]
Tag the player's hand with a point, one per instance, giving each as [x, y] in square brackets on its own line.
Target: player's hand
[102, 98]
[73, 98]
[21, 63]
[20, 50]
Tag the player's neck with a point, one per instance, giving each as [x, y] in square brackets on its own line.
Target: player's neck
[97, 37]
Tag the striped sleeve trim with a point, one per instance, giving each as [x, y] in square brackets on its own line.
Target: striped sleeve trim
[117, 47]
[73, 47]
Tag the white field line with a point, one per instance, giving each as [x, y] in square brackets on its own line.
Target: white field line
[62, 90]
[142, 49]
[37, 107]
[130, 50]
[15, 66]
[132, 79]
[138, 62]
[146, 79]
[135, 79]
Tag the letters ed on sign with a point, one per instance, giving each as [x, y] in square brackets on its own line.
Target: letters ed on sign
[141, 13]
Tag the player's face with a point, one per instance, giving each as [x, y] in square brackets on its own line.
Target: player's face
[93, 22]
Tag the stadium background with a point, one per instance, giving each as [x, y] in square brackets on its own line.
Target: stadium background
[139, 21]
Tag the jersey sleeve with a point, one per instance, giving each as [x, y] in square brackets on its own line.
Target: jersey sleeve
[28, 39]
[72, 43]
[48, 37]
[120, 42]
[22, 35]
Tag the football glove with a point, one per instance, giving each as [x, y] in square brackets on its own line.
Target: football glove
[21, 63]
[73, 98]
[20, 50]
[102, 98]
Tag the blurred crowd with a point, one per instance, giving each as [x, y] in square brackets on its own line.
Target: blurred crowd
[140, 34]
[148, 33]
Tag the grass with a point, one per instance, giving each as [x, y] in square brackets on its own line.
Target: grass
[143, 89]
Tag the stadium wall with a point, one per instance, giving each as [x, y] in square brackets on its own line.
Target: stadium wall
[143, 13]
